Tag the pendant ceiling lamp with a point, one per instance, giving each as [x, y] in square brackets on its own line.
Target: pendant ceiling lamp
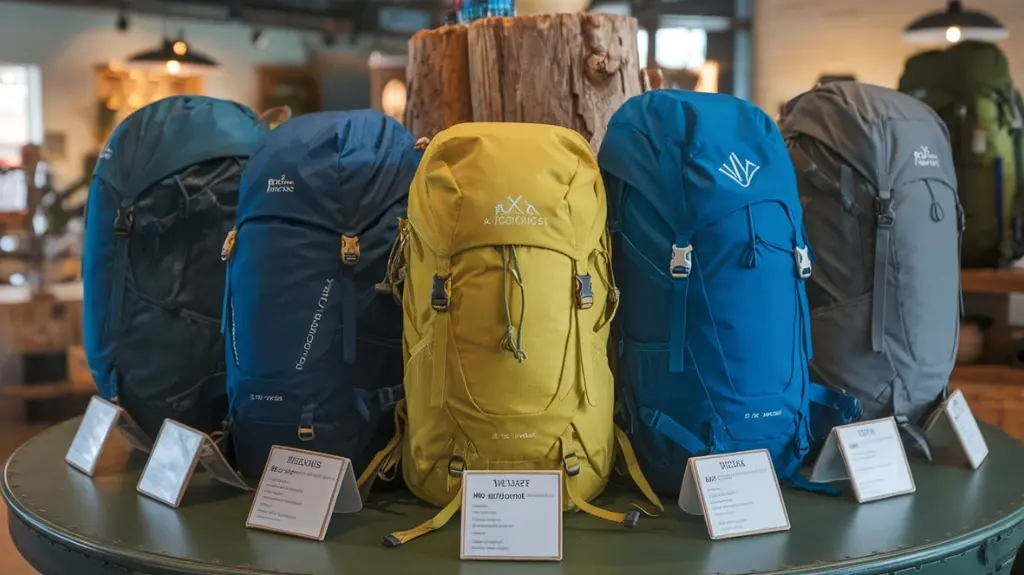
[953, 25]
[174, 56]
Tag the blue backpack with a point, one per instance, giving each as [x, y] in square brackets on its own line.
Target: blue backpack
[711, 256]
[162, 197]
[314, 350]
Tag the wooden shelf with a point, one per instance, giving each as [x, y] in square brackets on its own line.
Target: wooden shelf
[45, 391]
[987, 374]
[993, 281]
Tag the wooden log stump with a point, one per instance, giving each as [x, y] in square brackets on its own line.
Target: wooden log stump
[571, 70]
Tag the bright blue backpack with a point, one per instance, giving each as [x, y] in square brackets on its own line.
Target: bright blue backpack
[314, 352]
[711, 257]
[162, 197]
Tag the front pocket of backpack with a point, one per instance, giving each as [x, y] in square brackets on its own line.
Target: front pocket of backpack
[285, 301]
[842, 349]
[646, 376]
[429, 433]
[265, 413]
[927, 296]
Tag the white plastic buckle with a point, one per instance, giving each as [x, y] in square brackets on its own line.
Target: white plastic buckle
[803, 262]
[682, 261]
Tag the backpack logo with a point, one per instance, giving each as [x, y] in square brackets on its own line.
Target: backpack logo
[516, 212]
[740, 172]
[283, 185]
[924, 157]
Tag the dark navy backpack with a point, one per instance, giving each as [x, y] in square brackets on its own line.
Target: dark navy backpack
[711, 257]
[162, 198]
[314, 351]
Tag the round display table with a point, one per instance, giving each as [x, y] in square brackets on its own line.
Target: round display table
[958, 522]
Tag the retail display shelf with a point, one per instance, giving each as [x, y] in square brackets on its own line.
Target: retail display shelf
[958, 522]
[988, 280]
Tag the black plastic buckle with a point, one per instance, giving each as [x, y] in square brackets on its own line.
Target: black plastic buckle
[124, 220]
[632, 517]
[440, 293]
[886, 215]
[388, 397]
[456, 465]
[584, 292]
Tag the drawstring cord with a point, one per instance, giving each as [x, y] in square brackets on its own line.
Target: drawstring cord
[393, 275]
[513, 340]
[753, 254]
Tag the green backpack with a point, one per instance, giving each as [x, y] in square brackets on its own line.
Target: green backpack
[970, 87]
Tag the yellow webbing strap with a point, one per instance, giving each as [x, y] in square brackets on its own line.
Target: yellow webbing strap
[387, 458]
[571, 463]
[440, 343]
[583, 345]
[636, 474]
[438, 521]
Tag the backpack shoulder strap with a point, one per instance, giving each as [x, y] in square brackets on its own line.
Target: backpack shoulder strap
[681, 263]
[886, 217]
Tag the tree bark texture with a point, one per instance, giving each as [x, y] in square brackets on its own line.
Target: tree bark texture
[570, 70]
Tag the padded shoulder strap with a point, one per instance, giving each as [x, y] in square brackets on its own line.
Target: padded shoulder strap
[670, 171]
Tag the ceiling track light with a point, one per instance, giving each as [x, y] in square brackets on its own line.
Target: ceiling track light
[953, 25]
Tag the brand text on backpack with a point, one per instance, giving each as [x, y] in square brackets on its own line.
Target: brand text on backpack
[315, 324]
[283, 185]
[517, 212]
[924, 157]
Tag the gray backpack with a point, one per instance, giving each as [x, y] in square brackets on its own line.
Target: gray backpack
[878, 188]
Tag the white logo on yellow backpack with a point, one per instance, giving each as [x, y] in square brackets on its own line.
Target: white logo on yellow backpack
[516, 212]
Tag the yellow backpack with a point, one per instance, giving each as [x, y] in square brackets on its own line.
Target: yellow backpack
[507, 288]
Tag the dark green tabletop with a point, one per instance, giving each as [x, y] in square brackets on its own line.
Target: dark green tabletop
[958, 522]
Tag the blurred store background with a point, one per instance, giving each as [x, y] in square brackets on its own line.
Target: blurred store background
[71, 70]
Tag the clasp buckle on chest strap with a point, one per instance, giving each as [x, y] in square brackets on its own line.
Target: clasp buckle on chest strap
[584, 292]
[350, 250]
[682, 261]
[440, 293]
[803, 261]
[884, 210]
[124, 221]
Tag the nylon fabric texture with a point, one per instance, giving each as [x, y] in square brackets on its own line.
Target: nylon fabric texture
[314, 349]
[711, 252]
[162, 198]
[504, 273]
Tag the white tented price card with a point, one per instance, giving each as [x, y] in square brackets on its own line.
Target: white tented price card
[870, 454]
[300, 491]
[510, 515]
[173, 460]
[737, 493]
[955, 421]
[101, 417]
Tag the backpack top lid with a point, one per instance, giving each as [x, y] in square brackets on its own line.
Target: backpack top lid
[726, 139]
[166, 136]
[889, 137]
[965, 67]
[337, 170]
[501, 183]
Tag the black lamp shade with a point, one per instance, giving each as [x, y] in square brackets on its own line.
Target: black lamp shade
[159, 57]
[973, 25]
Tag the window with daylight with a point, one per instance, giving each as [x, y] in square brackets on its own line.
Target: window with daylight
[21, 122]
[677, 48]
